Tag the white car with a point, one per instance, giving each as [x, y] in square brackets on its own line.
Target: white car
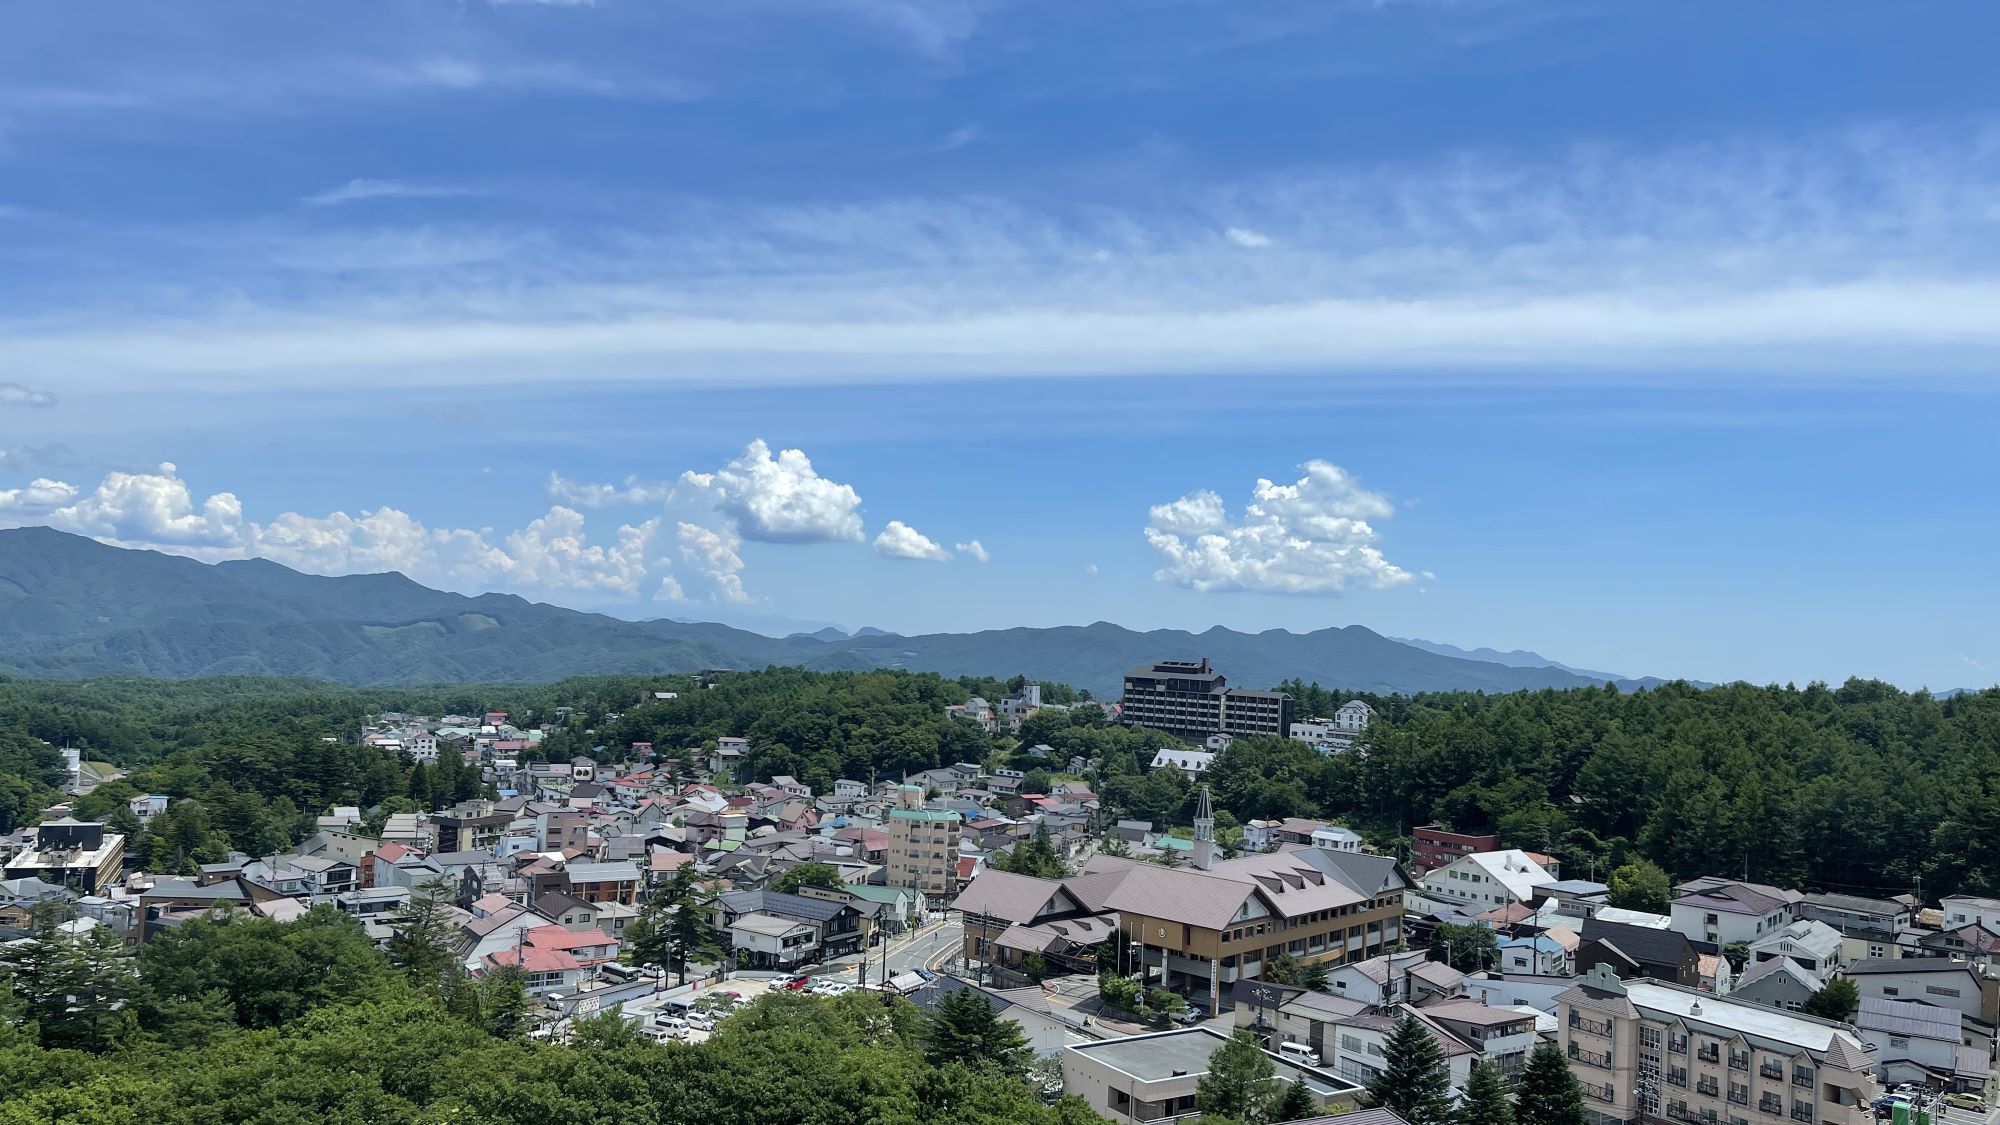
[701, 1021]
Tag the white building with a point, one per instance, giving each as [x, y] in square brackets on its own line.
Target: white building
[1725, 911]
[1334, 838]
[1487, 879]
[1353, 717]
[1193, 763]
[1962, 910]
[1938, 981]
[1813, 946]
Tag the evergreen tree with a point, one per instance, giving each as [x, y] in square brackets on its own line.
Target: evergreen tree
[1485, 1098]
[1238, 1082]
[1839, 1000]
[964, 1029]
[1414, 1081]
[1295, 1104]
[1549, 1094]
[424, 944]
[673, 928]
[503, 1002]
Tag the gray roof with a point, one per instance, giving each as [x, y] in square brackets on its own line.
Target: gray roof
[776, 902]
[1908, 1017]
[1645, 945]
[1895, 965]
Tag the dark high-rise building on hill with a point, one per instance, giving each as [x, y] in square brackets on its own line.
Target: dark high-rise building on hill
[1194, 699]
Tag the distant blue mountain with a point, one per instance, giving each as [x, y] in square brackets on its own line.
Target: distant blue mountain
[72, 607]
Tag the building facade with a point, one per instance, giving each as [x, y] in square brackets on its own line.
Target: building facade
[75, 854]
[923, 845]
[1191, 698]
[1647, 1052]
[1433, 846]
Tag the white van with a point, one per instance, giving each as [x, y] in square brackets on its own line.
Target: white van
[1298, 1053]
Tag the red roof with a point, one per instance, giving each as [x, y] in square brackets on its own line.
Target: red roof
[390, 853]
[535, 959]
[556, 937]
[669, 861]
[967, 864]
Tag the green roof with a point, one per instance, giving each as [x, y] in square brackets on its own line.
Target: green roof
[922, 814]
[876, 894]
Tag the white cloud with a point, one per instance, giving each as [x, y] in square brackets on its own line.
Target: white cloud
[158, 510]
[361, 189]
[781, 499]
[669, 591]
[586, 494]
[1749, 260]
[1308, 537]
[714, 555]
[975, 550]
[1247, 238]
[153, 508]
[38, 494]
[901, 541]
[14, 394]
[1090, 568]
[1193, 514]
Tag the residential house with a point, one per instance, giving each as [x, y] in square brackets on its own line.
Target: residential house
[1722, 912]
[1960, 910]
[1972, 943]
[793, 786]
[1868, 926]
[1389, 979]
[147, 805]
[1193, 763]
[617, 881]
[1638, 952]
[1939, 981]
[1715, 1058]
[1485, 879]
[1545, 953]
[1925, 1044]
[836, 926]
[1280, 1013]
[1811, 945]
[473, 826]
[544, 971]
[1360, 1047]
[1777, 982]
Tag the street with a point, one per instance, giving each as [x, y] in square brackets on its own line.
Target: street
[926, 948]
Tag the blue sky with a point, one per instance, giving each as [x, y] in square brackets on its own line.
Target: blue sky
[1656, 337]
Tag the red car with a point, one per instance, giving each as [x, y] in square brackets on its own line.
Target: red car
[796, 982]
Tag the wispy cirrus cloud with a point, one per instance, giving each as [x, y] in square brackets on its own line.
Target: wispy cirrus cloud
[1819, 256]
[357, 190]
[15, 394]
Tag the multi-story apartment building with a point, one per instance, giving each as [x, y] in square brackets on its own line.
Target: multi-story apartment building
[1191, 698]
[923, 845]
[1433, 846]
[1647, 1052]
[471, 827]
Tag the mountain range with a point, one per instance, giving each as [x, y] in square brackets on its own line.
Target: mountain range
[71, 607]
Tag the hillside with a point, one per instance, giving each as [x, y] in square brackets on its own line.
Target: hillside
[71, 607]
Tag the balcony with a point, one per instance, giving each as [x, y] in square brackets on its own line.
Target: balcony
[1804, 1078]
[1601, 1029]
[1709, 1054]
[1739, 1062]
[1773, 1071]
[1802, 1113]
[1590, 1058]
[1707, 1087]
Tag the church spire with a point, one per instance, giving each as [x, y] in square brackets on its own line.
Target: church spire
[1204, 831]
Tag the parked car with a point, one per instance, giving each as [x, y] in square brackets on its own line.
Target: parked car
[1298, 1053]
[1965, 1099]
[795, 982]
[701, 1021]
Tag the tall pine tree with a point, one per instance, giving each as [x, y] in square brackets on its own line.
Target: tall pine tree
[1414, 1081]
[1485, 1098]
[1549, 1092]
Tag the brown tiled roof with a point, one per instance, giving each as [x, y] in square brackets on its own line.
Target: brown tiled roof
[1010, 897]
[1180, 895]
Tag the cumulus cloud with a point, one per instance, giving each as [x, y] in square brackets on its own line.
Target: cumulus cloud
[901, 541]
[1308, 537]
[159, 510]
[14, 394]
[714, 555]
[975, 550]
[585, 494]
[38, 494]
[1247, 238]
[154, 508]
[781, 499]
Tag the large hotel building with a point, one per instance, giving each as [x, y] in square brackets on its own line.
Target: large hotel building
[1191, 698]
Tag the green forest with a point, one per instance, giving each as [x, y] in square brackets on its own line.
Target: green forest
[247, 1020]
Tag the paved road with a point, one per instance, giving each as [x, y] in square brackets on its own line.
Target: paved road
[923, 949]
